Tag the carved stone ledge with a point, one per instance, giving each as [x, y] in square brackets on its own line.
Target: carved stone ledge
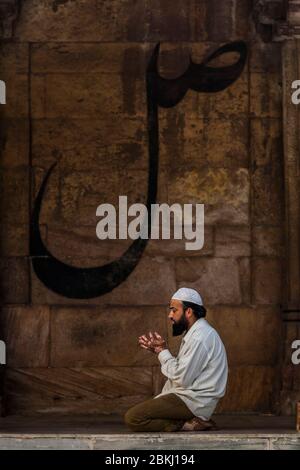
[9, 13]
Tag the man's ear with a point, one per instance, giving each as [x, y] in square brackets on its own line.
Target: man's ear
[189, 312]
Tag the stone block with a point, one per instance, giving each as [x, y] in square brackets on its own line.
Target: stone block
[151, 283]
[47, 21]
[250, 388]
[267, 196]
[267, 275]
[243, 327]
[14, 240]
[268, 241]
[15, 142]
[120, 21]
[223, 21]
[14, 196]
[109, 145]
[232, 241]
[266, 95]
[171, 20]
[251, 335]
[83, 241]
[97, 57]
[245, 279]
[266, 142]
[104, 390]
[210, 277]
[82, 192]
[50, 209]
[25, 331]
[285, 443]
[14, 57]
[176, 248]
[93, 337]
[226, 143]
[224, 193]
[16, 106]
[63, 242]
[181, 138]
[228, 104]
[87, 96]
[14, 280]
[265, 57]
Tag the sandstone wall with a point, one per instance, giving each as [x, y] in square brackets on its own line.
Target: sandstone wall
[75, 74]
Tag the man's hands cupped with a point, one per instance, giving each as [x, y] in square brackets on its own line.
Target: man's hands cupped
[154, 343]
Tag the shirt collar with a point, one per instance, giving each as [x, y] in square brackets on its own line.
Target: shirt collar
[195, 326]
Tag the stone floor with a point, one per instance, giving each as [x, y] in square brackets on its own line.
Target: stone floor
[108, 432]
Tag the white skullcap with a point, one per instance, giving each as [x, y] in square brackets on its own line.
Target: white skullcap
[188, 295]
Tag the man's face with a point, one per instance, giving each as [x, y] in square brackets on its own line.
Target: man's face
[177, 317]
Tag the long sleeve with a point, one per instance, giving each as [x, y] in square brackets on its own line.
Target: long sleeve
[184, 369]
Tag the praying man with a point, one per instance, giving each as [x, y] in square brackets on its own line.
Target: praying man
[196, 378]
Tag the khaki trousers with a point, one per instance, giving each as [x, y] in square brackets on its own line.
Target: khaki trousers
[167, 413]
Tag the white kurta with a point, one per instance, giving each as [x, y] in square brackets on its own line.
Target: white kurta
[198, 375]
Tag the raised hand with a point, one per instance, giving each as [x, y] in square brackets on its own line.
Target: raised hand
[154, 343]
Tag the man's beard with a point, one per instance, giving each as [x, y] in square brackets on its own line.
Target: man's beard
[180, 326]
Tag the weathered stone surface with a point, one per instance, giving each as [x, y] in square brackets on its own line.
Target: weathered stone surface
[265, 57]
[50, 209]
[176, 248]
[285, 443]
[265, 95]
[155, 20]
[232, 241]
[233, 102]
[14, 284]
[266, 142]
[268, 241]
[72, 197]
[86, 96]
[14, 240]
[14, 58]
[225, 193]
[182, 137]
[151, 283]
[76, 391]
[267, 196]
[226, 143]
[25, 331]
[14, 191]
[250, 388]
[288, 401]
[83, 241]
[210, 276]
[93, 337]
[116, 21]
[221, 26]
[16, 95]
[245, 279]
[267, 274]
[82, 192]
[133, 183]
[251, 335]
[102, 145]
[14, 134]
[14, 67]
[96, 57]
